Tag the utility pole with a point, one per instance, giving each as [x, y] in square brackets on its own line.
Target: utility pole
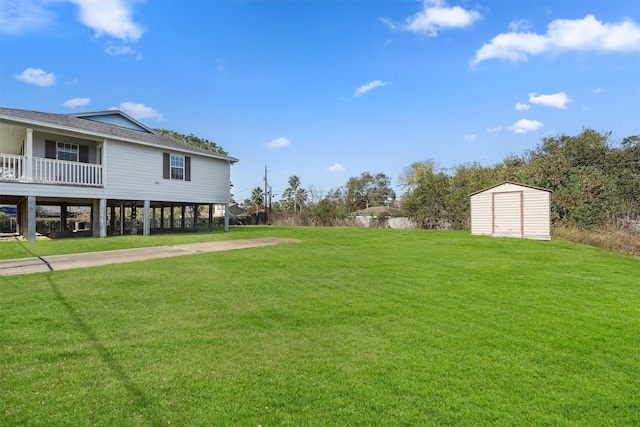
[266, 195]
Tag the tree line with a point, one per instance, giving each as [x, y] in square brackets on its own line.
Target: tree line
[595, 182]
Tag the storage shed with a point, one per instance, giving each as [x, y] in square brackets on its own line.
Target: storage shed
[511, 209]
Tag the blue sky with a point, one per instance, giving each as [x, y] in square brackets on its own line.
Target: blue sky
[327, 90]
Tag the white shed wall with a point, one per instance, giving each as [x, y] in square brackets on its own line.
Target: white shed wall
[481, 214]
[537, 214]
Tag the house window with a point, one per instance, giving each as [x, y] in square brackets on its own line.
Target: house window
[67, 152]
[177, 166]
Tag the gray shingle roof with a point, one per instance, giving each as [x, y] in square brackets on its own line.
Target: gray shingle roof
[104, 130]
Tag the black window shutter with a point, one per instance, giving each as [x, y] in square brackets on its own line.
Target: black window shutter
[166, 166]
[187, 168]
[83, 154]
[49, 149]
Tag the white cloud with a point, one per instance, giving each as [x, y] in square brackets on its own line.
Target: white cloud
[599, 90]
[470, 137]
[337, 167]
[115, 50]
[522, 107]
[524, 126]
[557, 100]
[564, 35]
[278, 143]
[519, 25]
[36, 76]
[19, 16]
[436, 16]
[369, 86]
[112, 18]
[495, 129]
[139, 111]
[76, 102]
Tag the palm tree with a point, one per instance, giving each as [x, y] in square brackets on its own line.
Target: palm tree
[294, 183]
[256, 198]
[300, 197]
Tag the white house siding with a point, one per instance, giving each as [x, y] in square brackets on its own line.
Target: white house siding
[53, 191]
[40, 137]
[512, 210]
[135, 173]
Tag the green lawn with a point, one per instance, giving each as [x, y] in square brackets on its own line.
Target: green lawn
[351, 327]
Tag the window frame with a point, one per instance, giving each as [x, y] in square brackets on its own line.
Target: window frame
[67, 149]
[169, 166]
[174, 167]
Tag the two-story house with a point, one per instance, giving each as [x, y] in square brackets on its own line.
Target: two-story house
[109, 162]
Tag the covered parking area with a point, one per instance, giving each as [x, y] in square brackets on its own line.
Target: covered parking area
[75, 217]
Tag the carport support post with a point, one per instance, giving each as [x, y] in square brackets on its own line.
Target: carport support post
[226, 217]
[112, 219]
[210, 217]
[102, 218]
[99, 217]
[122, 218]
[30, 233]
[63, 217]
[146, 228]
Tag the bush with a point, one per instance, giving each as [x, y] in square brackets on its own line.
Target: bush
[611, 238]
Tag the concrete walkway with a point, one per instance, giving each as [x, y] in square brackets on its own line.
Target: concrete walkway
[93, 259]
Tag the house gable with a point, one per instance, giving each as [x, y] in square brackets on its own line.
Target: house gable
[116, 118]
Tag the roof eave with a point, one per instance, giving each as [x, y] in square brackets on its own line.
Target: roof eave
[113, 137]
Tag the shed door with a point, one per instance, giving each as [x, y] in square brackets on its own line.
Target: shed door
[507, 214]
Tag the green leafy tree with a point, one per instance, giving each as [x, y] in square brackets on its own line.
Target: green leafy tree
[368, 190]
[325, 211]
[575, 168]
[625, 161]
[427, 190]
[468, 178]
[192, 140]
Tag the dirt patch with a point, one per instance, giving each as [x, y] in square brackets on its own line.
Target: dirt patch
[94, 259]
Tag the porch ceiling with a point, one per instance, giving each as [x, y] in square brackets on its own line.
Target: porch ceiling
[10, 200]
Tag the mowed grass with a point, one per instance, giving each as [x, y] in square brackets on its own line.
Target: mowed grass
[350, 327]
[13, 249]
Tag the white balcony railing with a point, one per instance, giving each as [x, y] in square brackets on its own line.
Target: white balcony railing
[49, 171]
[12, 167]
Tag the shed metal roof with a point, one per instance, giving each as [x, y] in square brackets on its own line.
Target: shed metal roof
[511, 182]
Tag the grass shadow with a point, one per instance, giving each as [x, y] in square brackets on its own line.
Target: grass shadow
[34, 255]
[140, 399]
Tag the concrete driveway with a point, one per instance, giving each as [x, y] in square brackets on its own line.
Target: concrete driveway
[94, 259]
